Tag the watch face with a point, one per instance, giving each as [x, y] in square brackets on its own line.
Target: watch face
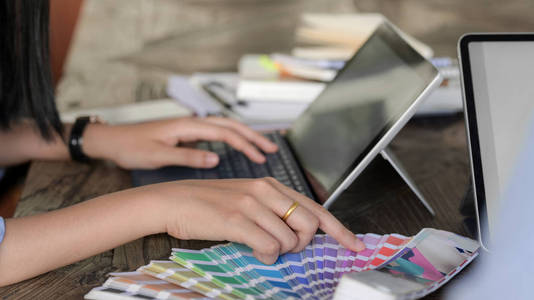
[76, 138]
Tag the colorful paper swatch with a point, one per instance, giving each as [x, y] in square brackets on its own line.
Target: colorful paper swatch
[309, 274]
[431, 258]
[174, 273]
[231, 272]
[140, 286]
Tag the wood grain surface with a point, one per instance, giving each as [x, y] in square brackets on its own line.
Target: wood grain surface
[433, 151]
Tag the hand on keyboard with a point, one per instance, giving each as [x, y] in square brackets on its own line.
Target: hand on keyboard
[152, 145]
[234, 164]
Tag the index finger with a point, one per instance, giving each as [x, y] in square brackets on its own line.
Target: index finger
[327, 222]
[213, 132]
[258, 139]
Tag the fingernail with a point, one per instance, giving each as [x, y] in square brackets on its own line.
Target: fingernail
[261, 159]
[212, 159]
[266, 259]
[359, 245]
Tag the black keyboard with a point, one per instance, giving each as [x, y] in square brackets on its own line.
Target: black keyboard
[234, 164]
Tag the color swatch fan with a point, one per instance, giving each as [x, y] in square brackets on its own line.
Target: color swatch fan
[136, 285]
[310, 274]
[423, 263]
[428, 261]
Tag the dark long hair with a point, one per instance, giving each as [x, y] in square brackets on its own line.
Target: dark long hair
[26, 89]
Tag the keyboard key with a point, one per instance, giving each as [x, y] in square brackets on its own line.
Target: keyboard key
[239, 164]
[210, 174]
[234, 164]
[259, 170]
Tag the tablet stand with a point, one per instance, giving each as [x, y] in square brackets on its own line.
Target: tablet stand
[389, 156]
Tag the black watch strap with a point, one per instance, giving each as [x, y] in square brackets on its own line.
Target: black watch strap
[76, 138]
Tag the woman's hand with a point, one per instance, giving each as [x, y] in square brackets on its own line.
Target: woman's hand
[247, 211]
[242, 210]
[157, 144]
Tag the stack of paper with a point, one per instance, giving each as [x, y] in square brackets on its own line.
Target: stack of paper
[216, 94]
[280, 78]
[276, 88]
[279, 86]
[230, 271]
[447, 99]
[338, 36]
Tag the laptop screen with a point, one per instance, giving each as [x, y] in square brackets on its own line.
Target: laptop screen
[354, 112]
[502, 75]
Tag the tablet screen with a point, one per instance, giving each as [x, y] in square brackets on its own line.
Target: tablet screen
[502, 75]
[358, 108]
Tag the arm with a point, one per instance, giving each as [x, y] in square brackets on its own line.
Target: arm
[248, 211]
[50, 240]
[23, 143]
[144, 146]
[243, 210]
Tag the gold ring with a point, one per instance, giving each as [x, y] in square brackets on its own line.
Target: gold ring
[290, 211]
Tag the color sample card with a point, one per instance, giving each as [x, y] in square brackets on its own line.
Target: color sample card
[174, 273]
[431, 258]
[141, 286]
[310, 274]
[231, 272]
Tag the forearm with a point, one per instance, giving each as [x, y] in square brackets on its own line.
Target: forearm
[23, 143]
[37, 244]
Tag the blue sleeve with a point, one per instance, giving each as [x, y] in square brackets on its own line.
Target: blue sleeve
[2, 229]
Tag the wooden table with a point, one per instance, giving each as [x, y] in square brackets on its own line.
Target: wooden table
[433, 151]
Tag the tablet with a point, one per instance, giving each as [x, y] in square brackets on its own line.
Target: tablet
[360, 111]
[498, 87]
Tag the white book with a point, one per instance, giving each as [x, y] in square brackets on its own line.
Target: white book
[274, 111]
[323, 64]
[279, 91]
[327, 37]
[262, 116]
[309, 73]
[276, 66]
[442, 101]
[348, 30]
[324, 52]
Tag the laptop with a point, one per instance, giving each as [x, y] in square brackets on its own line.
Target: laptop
[341, 132]
[497, 78]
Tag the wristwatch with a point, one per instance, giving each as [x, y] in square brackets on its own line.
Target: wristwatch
[76, 137]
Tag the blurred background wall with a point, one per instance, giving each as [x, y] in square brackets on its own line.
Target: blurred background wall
[123, 50]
